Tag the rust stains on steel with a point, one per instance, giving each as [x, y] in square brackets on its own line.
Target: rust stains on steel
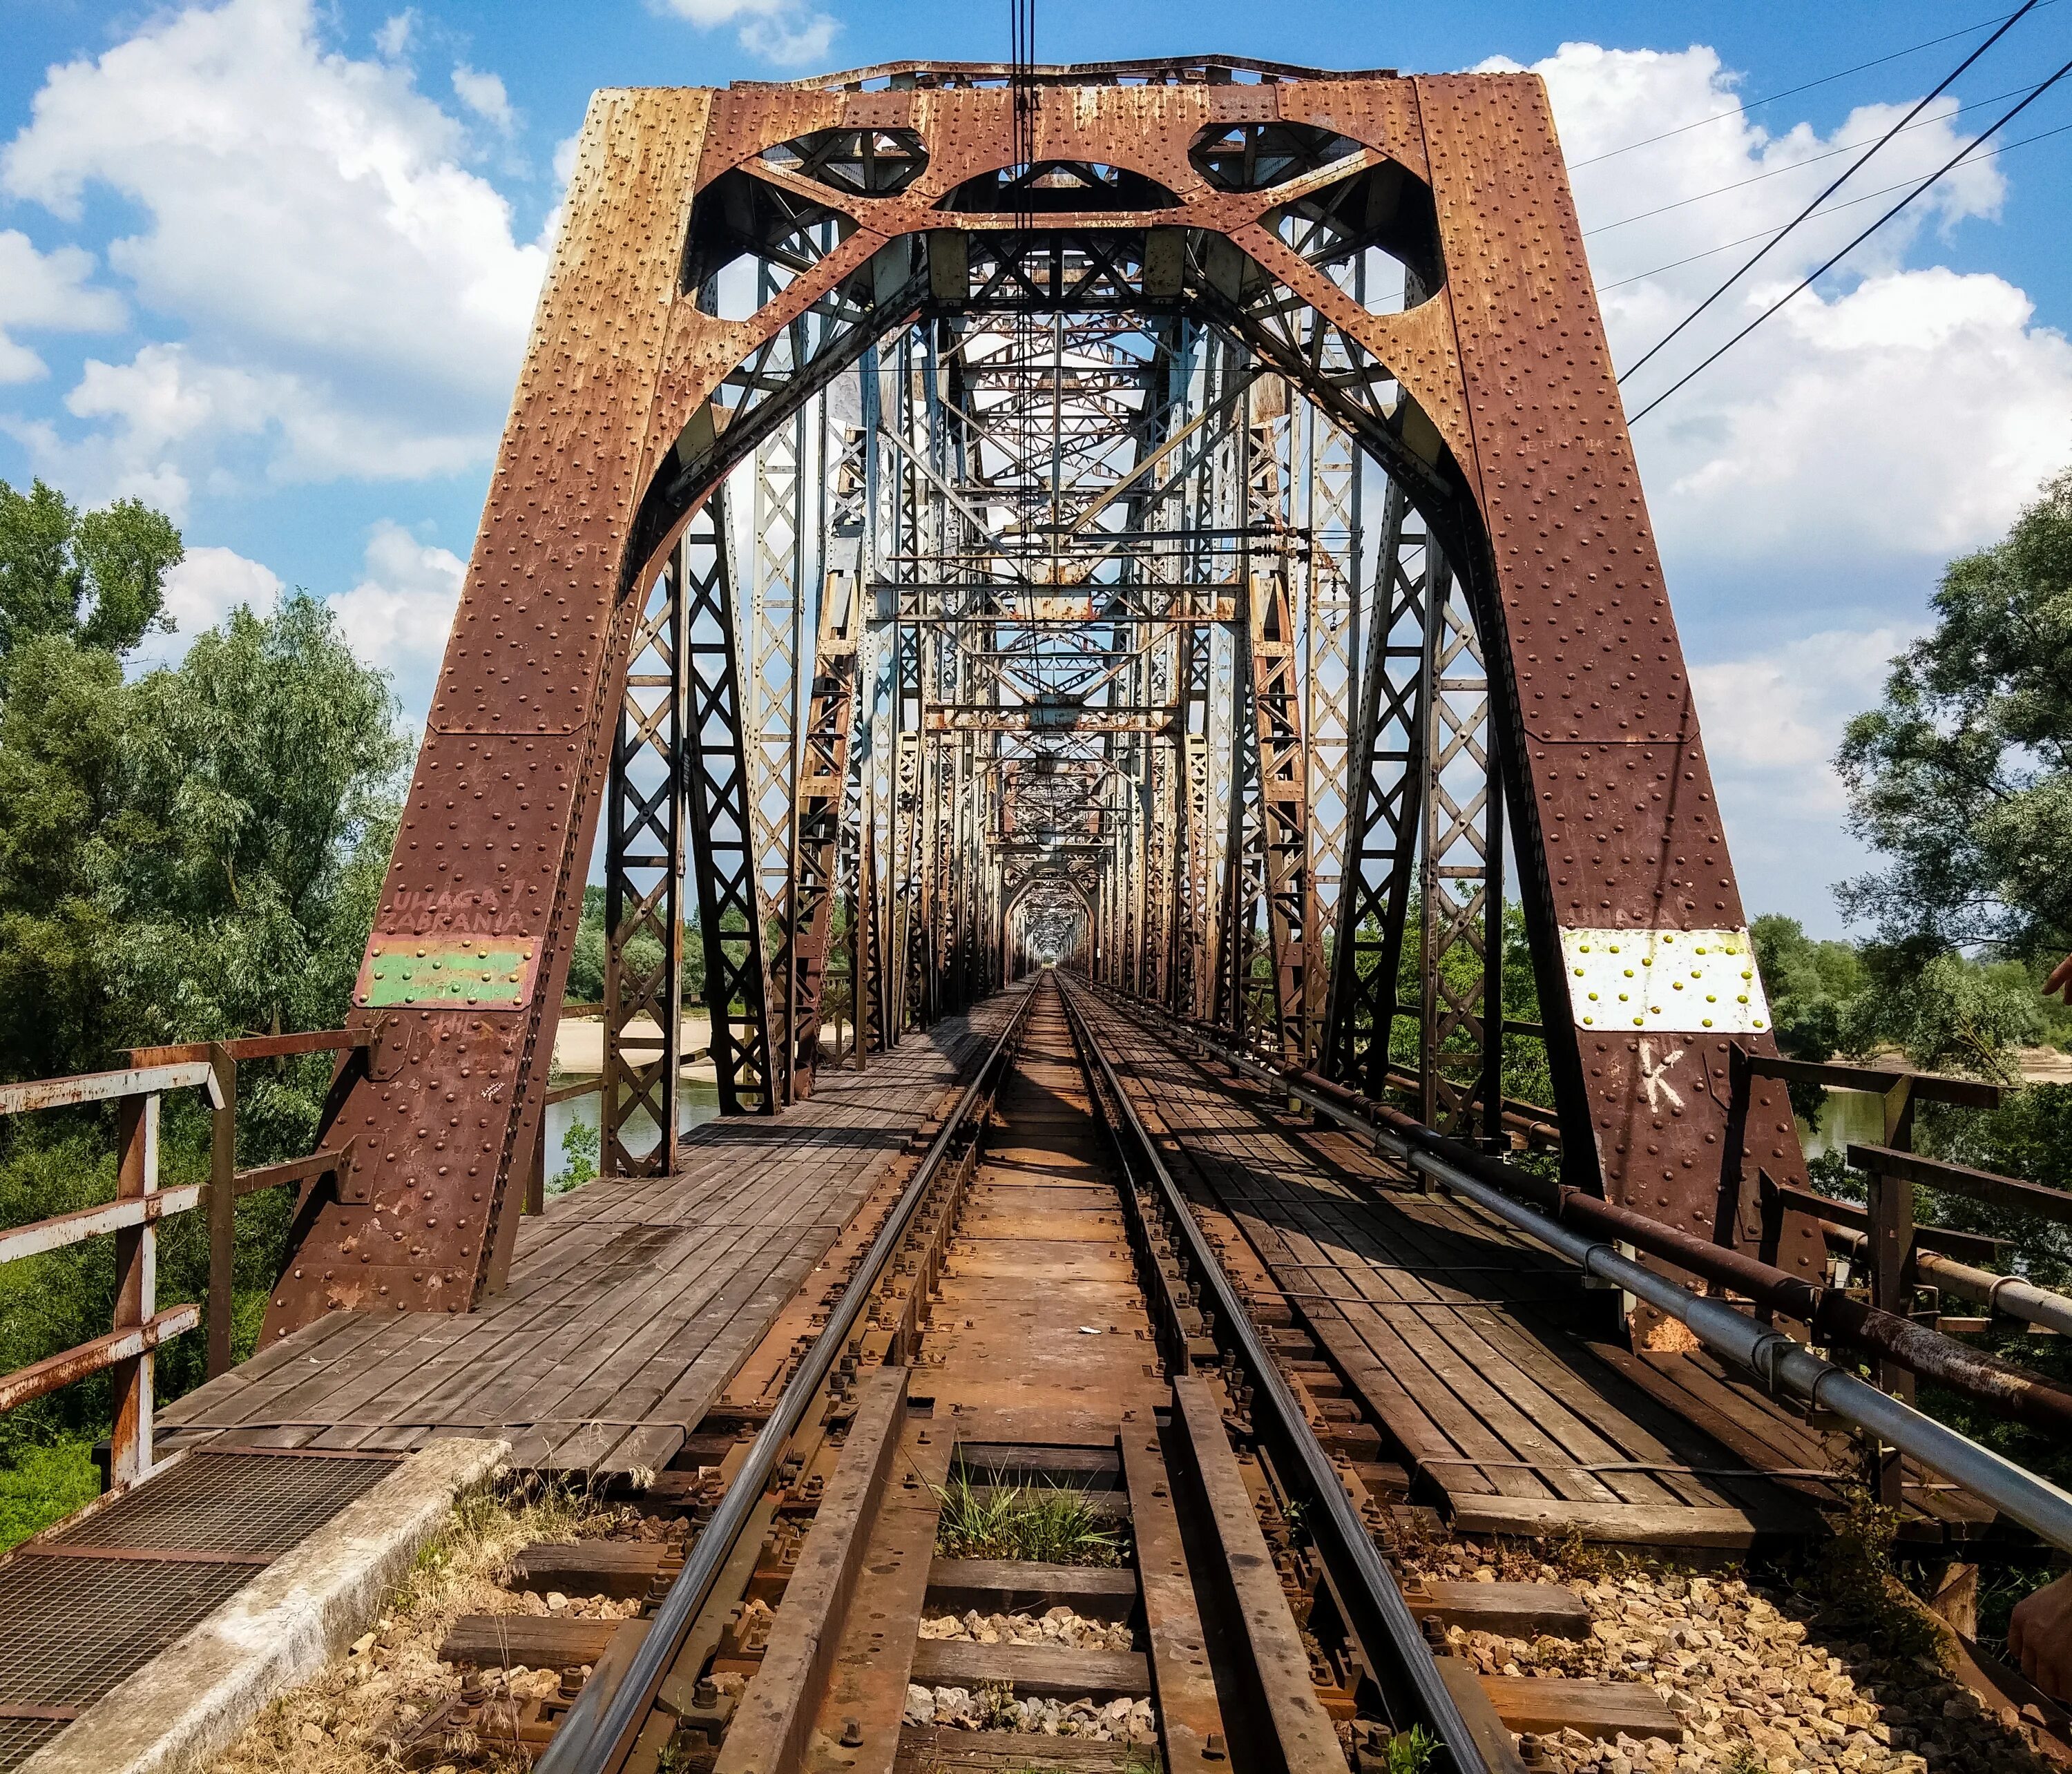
[1489, 397]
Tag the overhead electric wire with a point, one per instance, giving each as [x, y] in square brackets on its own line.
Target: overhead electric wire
[1832, 209]
[1789, 92]
[2007, 117]
[1847, 173]
[1796, 166]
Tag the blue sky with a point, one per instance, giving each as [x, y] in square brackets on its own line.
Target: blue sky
[269, 263]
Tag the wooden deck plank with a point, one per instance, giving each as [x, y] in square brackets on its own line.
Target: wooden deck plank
[631, 1303]
[1467, 1341]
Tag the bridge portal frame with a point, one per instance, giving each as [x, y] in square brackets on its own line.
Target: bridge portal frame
[1489, 401]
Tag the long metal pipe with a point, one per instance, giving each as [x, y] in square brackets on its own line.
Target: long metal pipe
[1380, 1619]
[2008, 1294]
[600, 1729]
[1831, 1315]
[1769, 1353]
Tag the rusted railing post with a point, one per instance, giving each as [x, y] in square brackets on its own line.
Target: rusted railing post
[136, 1288]
[536, 1178]
[1890, 1201]
[222, 1208]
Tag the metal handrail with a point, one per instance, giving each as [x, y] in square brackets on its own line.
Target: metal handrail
[132, 1219]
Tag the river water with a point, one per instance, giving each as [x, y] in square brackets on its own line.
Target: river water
[1846, 1115]
[696, 1102]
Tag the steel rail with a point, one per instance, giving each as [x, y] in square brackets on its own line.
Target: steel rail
[600, 1729]
[1776, 1358]
[1388, 1636]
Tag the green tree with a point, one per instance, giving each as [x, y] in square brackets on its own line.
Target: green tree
[585, 984]
[192, 854]
[97, 577]
[64, 721]
[1811, 985]
[1962, 777]
[258, 809]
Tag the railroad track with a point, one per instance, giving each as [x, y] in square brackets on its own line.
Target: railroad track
[1038, 1347]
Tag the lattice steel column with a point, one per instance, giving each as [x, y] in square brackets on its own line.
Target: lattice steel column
[1385, 797]
[777, 543]
[642, 875]
[823, 779]
[1329, 628]
[1460, 870]
[716, 802]
[1283, 807]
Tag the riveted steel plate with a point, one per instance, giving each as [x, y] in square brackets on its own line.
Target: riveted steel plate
[1681, 980]
[428, 972]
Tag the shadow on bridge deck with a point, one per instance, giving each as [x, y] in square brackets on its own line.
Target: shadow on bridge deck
[631, 1305]
[1501, 1382]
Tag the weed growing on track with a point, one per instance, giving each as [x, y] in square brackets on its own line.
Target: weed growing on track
[1044, 1524]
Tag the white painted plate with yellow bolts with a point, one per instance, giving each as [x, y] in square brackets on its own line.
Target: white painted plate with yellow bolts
[1687, 982]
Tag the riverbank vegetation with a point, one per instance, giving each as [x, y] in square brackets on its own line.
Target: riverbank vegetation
[186, 853]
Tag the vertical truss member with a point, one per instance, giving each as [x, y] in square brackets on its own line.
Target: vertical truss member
[642, 878]
[1385, 803]
[821, 792]
[716, 799]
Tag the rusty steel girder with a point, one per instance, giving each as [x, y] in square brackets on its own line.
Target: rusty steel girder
[1489, 398]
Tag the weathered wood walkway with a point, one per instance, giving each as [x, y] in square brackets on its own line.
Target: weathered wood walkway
[1498, 1375]
[631, 1303]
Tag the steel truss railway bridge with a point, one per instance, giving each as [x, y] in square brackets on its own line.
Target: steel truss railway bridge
[1082, 593]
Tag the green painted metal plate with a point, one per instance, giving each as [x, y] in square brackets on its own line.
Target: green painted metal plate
[484, 973]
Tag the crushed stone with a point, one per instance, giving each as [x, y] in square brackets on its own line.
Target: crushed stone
[1059, 1626]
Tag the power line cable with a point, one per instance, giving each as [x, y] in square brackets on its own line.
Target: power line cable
[1796, 166]
[1832, 209]
[1790, 91]
[2007, 117]
[1847, 173]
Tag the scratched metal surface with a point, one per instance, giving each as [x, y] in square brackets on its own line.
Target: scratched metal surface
[1506, 357]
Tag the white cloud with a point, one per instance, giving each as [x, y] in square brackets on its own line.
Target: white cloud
[564, 158]
[788, 32]
[397, 616]
[171, 420]
[201, 591]
[1915, 416]
[392, 39]
[1891, 415]
[1773, 720]
[48, 290]
[483, 94]
[308, 224]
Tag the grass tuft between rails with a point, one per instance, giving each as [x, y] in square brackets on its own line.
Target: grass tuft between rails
[1049, 1524]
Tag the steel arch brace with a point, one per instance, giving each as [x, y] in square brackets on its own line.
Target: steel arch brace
[1493, 397]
